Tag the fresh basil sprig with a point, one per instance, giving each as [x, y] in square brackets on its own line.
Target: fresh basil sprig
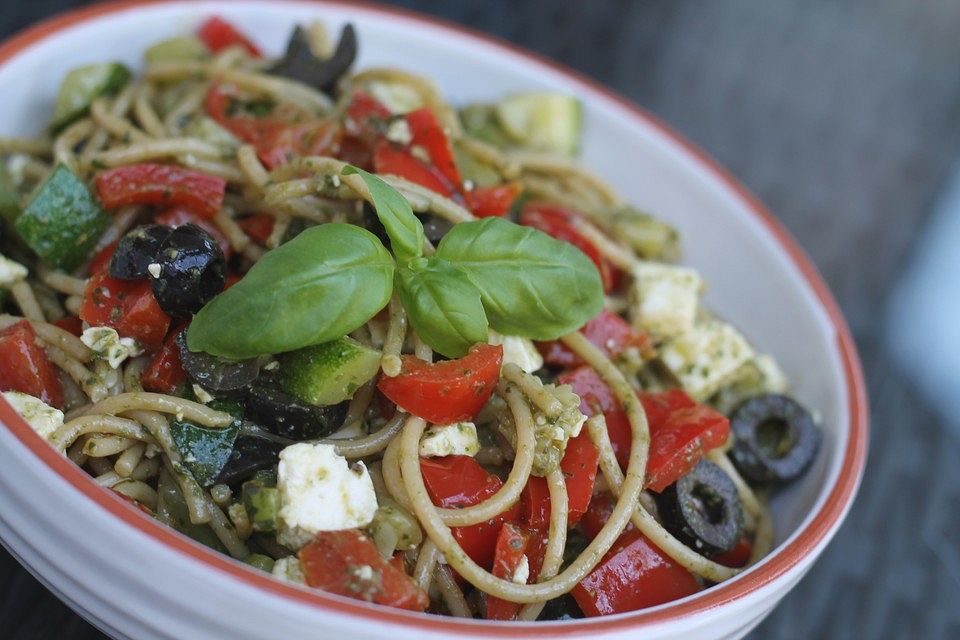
[333, 278]
[323, 284]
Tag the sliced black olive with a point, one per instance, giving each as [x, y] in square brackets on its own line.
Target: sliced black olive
[776, 438]
[192, 271]
[301, 64]
[435, 227]
[250, 453]
[702, 509]
[137, 250]
[283, 415]
[214, 373]
[561, 608]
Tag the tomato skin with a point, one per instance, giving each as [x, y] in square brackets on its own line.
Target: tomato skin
[127, 306]
[448, 391]
[556, 222]
[388, 158]
[427, 133]
[579, 467]
[596, 395]
[608, 332]
[101, 261]
[633, 575]
[70, 324]
[258, 226]
[331, 562]
[161, 184]
[218, 34]
[24, 365]
[164, 372]
[513, 543]
[459, 481]
[182, 215]
[681, 432]
[496, 200]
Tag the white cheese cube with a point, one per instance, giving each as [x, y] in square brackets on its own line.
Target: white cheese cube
[320, 491]
[107, 344]
[457, 439]
[704, 358]
[289, 570]
[664, 299]
[774, 379]
[11, 272]
[44, 419]
[396, 96]
[519, 351]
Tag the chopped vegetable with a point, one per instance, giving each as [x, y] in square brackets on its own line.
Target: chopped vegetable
[213, 373]
[165, 372]
[608, 332]
[285, 416]
[218, 34]
[172, 511]
[62, 221]
[128, 307]
[24, 366]
[161, 184]
[510, 562]
[137, 250]
[579, 467]
[776, 438]
[205, 450]
[179, 216]
[82, 86]
[262, 503]
[10, 202]
[496, 200]
[301, 63]
[190, 271]
[250, 453]
[328, 373]
[542, 121]
[650, 238]
[179, 49]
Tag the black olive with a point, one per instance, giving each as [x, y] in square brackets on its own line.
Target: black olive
[192, 271]
[214, 373]
[702, 509]
[435, 227]
[137, 250]
[283, 415]
[775, 438]
[372, 223]
[301, 64]
[250, 453]
[561, 608]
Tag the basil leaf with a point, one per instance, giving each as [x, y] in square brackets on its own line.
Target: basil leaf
[443, 305]
[320, 286]
[531, 284]
[404, 228]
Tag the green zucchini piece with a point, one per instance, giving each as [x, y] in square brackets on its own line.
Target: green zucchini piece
[480, 121]
[176, 50]
[82, 86]
[226, 405]
[328, 373]
[542, 121]
[264, 478]
[172, 511]
[10, 205]
[650, 238]
[205, 451]
[480, 174]
[260, 561]
[62, 222]
[262, 505]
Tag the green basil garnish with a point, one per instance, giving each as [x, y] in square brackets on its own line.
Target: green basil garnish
[443, 304]
[531, 284]
[404, 229]
[320, 286]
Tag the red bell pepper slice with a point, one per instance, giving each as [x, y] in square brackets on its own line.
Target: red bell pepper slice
[556, 222]
[681, 432]
[71, 324]
[161, 184]
[182, 215]
[427, 133]
[601, 506]
[738, 556]
[258, 226]
[579, 467]
[448, 391]
[348, 563]
[513, 543]
[596, 396]
[459, 481]
[608, 332]
[389, 158]
[164, 372]
[127, 306]
[366, 116]
[24, 365]
[218, 34]
[101, 261]
[633, 575]
[496, 200]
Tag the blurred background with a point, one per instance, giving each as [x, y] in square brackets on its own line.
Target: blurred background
[842, 116]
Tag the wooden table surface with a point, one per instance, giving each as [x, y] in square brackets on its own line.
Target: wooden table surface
[842, 116]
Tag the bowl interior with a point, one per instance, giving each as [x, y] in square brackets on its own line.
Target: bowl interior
[752, 280]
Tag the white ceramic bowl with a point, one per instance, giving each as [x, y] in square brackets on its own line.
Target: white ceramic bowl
[134, 578]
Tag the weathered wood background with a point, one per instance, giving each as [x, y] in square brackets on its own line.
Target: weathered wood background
[842, 116]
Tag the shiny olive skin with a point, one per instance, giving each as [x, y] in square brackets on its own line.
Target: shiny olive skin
[285, 416]
[776, 438]
[192, 271]
[703, 510]
[250, 453]
[137, 250]
[300, 63]
[214, 373]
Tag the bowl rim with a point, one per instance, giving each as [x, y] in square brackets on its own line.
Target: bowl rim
[785, 559]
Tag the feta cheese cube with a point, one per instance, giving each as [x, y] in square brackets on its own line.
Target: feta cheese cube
[11, 272]
[399, 131]
[519, 351]
[664, 299]
[44, 419]
[522, 573]
[320, 491]
[704, 358]
[289, 570]
[107, 344]
[774, 379]
[457, 439]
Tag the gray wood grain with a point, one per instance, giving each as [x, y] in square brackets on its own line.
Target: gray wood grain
[842, 116]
